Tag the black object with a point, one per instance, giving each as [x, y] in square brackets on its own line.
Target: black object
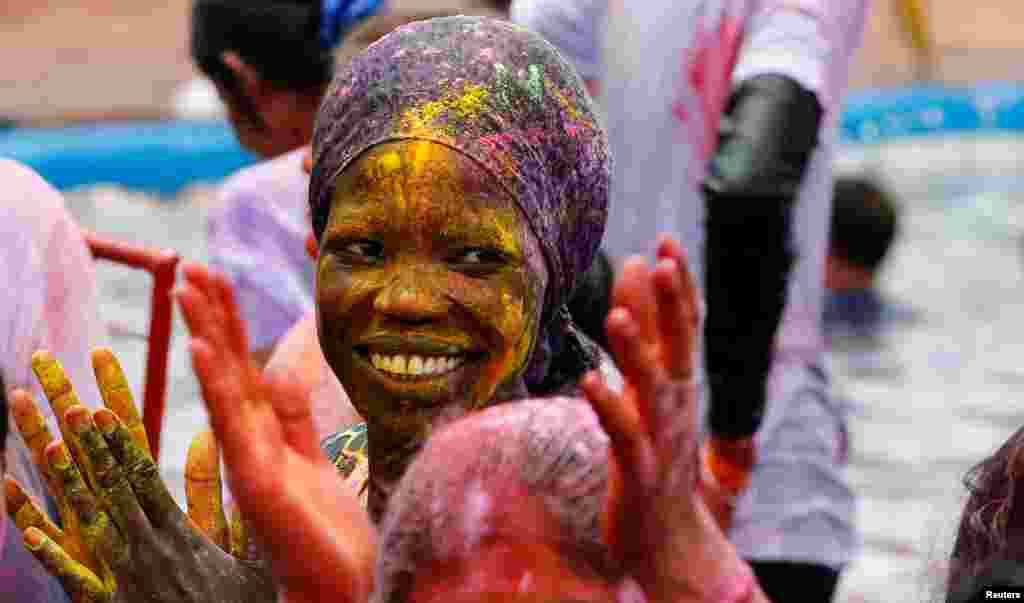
[768, 133]
[592, 300]
[789, 581]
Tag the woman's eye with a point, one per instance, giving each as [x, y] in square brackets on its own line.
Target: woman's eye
[480, 256]
[364, 249]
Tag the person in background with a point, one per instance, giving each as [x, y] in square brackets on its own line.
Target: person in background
[722, 117]
[271, 61]
[865, 224]
[49, 300]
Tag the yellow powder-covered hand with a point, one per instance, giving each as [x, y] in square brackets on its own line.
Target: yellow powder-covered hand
[123, 537]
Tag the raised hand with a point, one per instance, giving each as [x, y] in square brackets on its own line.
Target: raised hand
[123, 538]
[319, 540]
[656, 521]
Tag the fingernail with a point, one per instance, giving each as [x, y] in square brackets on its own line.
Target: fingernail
[58, 457]
[33, 539]
[668, 264]
[105, 420]
[77, 418]
[13, 494]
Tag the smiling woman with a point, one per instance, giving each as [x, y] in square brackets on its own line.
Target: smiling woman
[458, 193]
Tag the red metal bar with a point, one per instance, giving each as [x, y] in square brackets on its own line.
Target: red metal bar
[162, 265]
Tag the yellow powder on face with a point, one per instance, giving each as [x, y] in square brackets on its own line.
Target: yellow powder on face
[389, 163]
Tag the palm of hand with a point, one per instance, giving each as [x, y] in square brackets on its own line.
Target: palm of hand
[652, 332]
[289, 493]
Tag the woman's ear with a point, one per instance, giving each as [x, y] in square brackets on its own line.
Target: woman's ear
[248, 78]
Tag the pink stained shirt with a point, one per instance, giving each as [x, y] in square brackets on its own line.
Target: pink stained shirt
[48, 301]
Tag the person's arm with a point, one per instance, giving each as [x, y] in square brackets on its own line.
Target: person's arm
[769, 131]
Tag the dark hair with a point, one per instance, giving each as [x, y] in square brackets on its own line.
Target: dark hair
[991, 530]
[865, 222]
[592, 300]
[280, 39]
[1002, 574]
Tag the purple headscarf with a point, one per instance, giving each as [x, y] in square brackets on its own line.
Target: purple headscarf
[504, 97]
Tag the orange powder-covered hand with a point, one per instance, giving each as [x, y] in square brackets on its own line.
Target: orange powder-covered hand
[320, 542]
[656, 522]
[726, 466]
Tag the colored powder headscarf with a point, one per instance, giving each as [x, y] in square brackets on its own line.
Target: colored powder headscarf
[504, 97]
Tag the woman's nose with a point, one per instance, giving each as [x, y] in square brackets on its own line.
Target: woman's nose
[412, 297]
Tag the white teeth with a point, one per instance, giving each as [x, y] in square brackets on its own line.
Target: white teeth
[400, 364]
[415, 365]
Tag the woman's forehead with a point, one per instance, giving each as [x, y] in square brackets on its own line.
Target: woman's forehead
[420, 160]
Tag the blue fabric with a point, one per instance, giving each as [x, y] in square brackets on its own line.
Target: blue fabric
[338, 17]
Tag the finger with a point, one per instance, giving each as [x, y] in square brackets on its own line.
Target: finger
[203, 489]
[32, 426]
[81, 584]
[112, 484]
[141, 472]
[62, 396]
[117, 396]
[227, 403]
[637, 360]
[677, 320]
[76, 491]
[293, 409]
[27, 513]
[671, 249]
[56, 385]
[634, 292]
[625, 429]
[240, 540]
[233, 317]
[195, 308]
[615, 513]
[200, 306]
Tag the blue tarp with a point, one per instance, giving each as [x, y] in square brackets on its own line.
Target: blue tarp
[160, 157]
[163, 157]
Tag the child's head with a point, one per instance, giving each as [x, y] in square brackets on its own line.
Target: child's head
[865, 222]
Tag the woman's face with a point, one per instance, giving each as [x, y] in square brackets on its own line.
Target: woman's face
[429, 286]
